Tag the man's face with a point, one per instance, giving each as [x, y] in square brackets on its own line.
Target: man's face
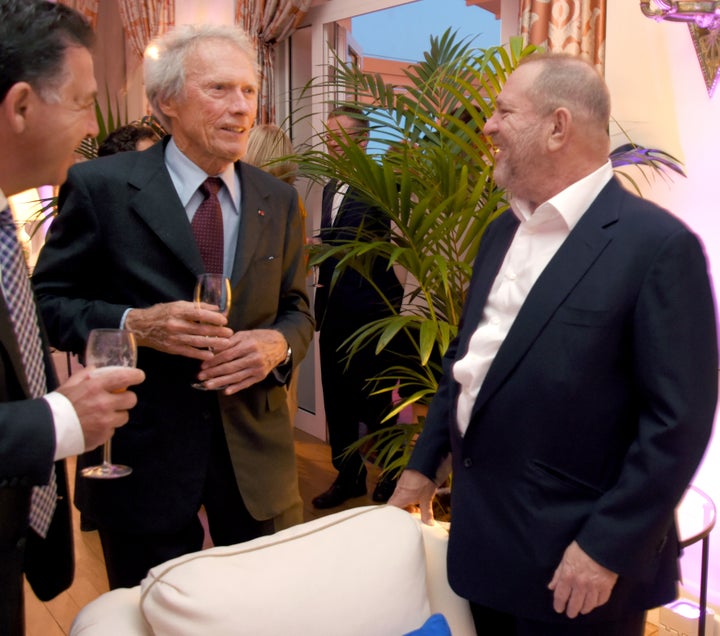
[337, 129]
[518, 133]
[211, 120]
[61, 121]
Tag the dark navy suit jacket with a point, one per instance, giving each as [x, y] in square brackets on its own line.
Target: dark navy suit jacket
[592, 418]
[27, 446]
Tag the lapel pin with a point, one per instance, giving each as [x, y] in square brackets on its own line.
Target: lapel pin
[261, 212]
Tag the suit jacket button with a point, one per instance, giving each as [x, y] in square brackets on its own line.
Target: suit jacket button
[467, 462]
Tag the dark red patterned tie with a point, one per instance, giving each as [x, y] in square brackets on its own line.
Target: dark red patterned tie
[207, 226]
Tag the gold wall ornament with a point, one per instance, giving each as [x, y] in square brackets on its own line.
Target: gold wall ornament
[704, 13]
[707, 48]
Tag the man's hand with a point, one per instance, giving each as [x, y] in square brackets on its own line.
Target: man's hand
[101, 401]
[179, 328]
[580, 584]
[414, 489]
[247, 359]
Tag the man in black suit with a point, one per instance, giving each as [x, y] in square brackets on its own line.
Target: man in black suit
[123, 251]
[47, 92]
[342, 307]
[578, 397]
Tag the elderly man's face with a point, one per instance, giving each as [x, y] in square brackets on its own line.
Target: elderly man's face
[212, 119]
[518, 134]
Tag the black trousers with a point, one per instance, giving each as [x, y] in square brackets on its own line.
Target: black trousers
[129, 556]
[490, 622]
[347, 394]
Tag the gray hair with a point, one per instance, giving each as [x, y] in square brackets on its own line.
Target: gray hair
[569, 81]
[165, 57]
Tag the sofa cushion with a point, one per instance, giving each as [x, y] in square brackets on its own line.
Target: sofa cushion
[356, 572]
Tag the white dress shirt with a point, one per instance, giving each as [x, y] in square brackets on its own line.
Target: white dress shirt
[539, 236]
[338, 198]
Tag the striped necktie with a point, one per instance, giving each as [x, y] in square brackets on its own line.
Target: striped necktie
[21, 306]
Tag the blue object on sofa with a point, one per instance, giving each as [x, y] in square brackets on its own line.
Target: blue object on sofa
[436, 625]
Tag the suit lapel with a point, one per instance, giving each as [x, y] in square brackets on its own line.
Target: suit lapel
[158, 204]
[254, 215]
[564, 271]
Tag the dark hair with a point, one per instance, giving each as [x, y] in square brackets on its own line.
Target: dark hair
[125, 138]
[34, 35]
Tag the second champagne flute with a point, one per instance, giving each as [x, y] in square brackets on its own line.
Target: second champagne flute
[107, 349]
[212, 289]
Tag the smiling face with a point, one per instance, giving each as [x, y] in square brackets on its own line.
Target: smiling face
[519, 134]
[56, 123]
[212, 118]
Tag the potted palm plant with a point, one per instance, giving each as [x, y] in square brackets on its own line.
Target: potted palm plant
[429, 168]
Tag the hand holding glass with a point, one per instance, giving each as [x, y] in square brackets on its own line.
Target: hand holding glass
[107, 349]
[212, 289]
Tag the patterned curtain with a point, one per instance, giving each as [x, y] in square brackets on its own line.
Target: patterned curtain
[88, 8]
[571, 26]
[269, 22]
[145, 19]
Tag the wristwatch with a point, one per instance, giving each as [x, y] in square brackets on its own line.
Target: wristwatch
[288, 357]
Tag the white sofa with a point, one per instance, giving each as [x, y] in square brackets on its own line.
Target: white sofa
[372, 571]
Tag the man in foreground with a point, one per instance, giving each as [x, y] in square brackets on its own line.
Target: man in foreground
[578, 397]
[47, 92]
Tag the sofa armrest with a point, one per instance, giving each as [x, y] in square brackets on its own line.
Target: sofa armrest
[442, 599]
[115, 613]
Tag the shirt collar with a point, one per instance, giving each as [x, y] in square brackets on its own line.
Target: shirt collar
[188, 176]
[572, 202]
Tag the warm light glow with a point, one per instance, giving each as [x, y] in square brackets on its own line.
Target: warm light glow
[152, 52]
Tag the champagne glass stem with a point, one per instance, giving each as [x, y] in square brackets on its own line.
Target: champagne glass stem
[106, 453]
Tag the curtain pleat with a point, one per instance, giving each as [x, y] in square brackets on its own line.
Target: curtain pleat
[269, 22]
[145, 19]
[570, 26]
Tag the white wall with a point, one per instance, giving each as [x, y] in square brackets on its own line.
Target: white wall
[660, 98]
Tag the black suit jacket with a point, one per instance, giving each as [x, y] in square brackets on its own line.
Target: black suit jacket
[592, 418]
[351, 300]
[27, 446]
[122, 239]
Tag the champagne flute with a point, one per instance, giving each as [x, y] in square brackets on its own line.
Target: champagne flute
[212, 289]
[108, 349]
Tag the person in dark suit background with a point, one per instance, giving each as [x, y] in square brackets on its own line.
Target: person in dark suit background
[343, 307]
[125, 240]
[47, 107]
[578, 397]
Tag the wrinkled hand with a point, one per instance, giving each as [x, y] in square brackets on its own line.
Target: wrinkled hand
[247, 359]
[580, 584]
[413, 489]
[101, 401]
[179, 328]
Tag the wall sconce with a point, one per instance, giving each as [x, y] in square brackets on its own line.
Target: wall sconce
[703, 20]
[704, 13]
